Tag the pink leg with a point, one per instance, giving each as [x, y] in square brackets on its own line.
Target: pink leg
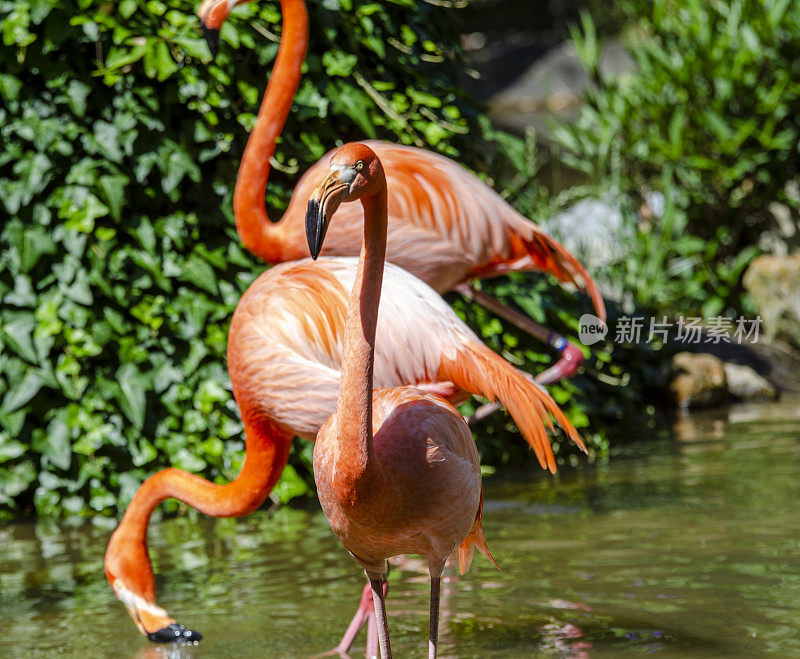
[566, 367]
[364, 613]
[372, 651]
[571, 355]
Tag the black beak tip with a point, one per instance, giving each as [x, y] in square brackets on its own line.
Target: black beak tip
[314, 228]
[212, 39]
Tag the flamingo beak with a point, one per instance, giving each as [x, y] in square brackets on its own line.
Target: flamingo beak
[322, 204]
[212, 14]
[211, 36]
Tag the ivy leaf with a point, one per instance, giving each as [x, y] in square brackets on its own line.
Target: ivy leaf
[10, 449]
[290, 485]
[54, 443]
[132, 394]
[22, 392]
[19, 337]
[124, 55]
[113, 189]
[337, 63]
[199, 272]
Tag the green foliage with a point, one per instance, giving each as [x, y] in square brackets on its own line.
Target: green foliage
[710, 118]
[119, 263]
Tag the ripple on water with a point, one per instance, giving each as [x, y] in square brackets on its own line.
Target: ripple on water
[688, 545]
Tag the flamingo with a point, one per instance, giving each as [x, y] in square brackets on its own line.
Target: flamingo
[446, 226]
[397, 470]
[284, 361]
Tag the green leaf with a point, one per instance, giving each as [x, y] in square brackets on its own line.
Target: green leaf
[54, 443]
[337, 63]
[18, 335]
[9, 87]
[21, 392]
[10, 449]
[113, 189]
[124, 55]
[132, 400]
[14, 480]
[200, 273]
[290, 485]
[183, 459]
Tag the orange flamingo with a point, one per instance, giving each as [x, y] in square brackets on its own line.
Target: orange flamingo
[284, 359]
[446, 226]
[397, 470]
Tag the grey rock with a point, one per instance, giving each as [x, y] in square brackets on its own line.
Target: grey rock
[552, 86]
[697, 380]
[746, 384]
[774, 284]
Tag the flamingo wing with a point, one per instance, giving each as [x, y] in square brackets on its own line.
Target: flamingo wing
[286, 339]
[445, 225]
[435, 192]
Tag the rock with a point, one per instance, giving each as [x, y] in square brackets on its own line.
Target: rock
[774, 284]
[745, 383]
[552, 86]
[595, 231]
[697, 380]
[592, 229]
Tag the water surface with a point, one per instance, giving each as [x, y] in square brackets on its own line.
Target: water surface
[685, 544]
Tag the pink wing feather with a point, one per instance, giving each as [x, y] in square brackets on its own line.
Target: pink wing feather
[286, 344]
[445, 225]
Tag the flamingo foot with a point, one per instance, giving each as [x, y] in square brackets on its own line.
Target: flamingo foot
[174, 633]
[571, 360]
[571, 355]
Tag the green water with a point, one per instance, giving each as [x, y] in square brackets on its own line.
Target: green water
[682, 545]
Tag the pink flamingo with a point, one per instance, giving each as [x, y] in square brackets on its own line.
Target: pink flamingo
[284, 359]
[397, 470]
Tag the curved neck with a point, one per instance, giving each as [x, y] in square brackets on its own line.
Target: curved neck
[249, 208]
[266, 453]
[354, 407]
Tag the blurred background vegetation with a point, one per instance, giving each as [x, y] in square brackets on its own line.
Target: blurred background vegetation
[120, 265]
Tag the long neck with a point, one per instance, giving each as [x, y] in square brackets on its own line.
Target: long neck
[258, 234]
[354, 408]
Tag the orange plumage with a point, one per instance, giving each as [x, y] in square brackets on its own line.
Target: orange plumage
[284, 358]
[285, 348]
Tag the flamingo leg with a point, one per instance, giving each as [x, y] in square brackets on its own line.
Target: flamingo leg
[371, 651]
[433, 638]
[571, 355]
[363, 613]
[379, 604]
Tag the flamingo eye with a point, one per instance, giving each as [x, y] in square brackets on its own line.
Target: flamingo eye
[359, 165]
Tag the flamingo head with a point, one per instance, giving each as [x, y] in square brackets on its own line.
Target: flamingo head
[212, 14]
[354, 173]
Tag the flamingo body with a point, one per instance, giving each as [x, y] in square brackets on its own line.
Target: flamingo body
[446, 226]
[427, 498]
[285, 349]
